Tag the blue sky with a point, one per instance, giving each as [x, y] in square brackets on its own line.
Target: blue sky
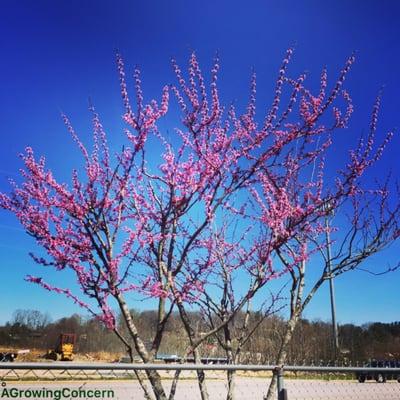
[55, 55]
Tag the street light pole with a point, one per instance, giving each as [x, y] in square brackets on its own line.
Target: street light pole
[331, 285]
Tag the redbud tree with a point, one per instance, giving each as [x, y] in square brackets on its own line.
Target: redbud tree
[236, 200]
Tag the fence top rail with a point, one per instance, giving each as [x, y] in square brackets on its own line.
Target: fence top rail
[132, 366]
[184, 367]
[305, 368]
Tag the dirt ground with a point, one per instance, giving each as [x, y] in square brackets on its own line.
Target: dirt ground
[38, 355]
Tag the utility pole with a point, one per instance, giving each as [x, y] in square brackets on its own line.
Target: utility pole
[329, 210]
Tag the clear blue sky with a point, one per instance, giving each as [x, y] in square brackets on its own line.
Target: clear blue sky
[57, 54]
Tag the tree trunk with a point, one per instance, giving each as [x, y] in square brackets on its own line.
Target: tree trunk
[201, 376]
[153, 376]
[231, 385]
[174, 384]
[140, 377]
[282, 355]
[230, 374]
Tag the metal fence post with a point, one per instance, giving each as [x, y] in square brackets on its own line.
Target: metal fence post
[282, 393]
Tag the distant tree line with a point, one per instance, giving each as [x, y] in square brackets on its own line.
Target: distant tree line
[312, 340]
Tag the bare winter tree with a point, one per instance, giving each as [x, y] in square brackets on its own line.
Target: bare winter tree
[33, 319]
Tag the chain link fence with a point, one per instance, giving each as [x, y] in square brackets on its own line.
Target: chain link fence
[229, 382]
